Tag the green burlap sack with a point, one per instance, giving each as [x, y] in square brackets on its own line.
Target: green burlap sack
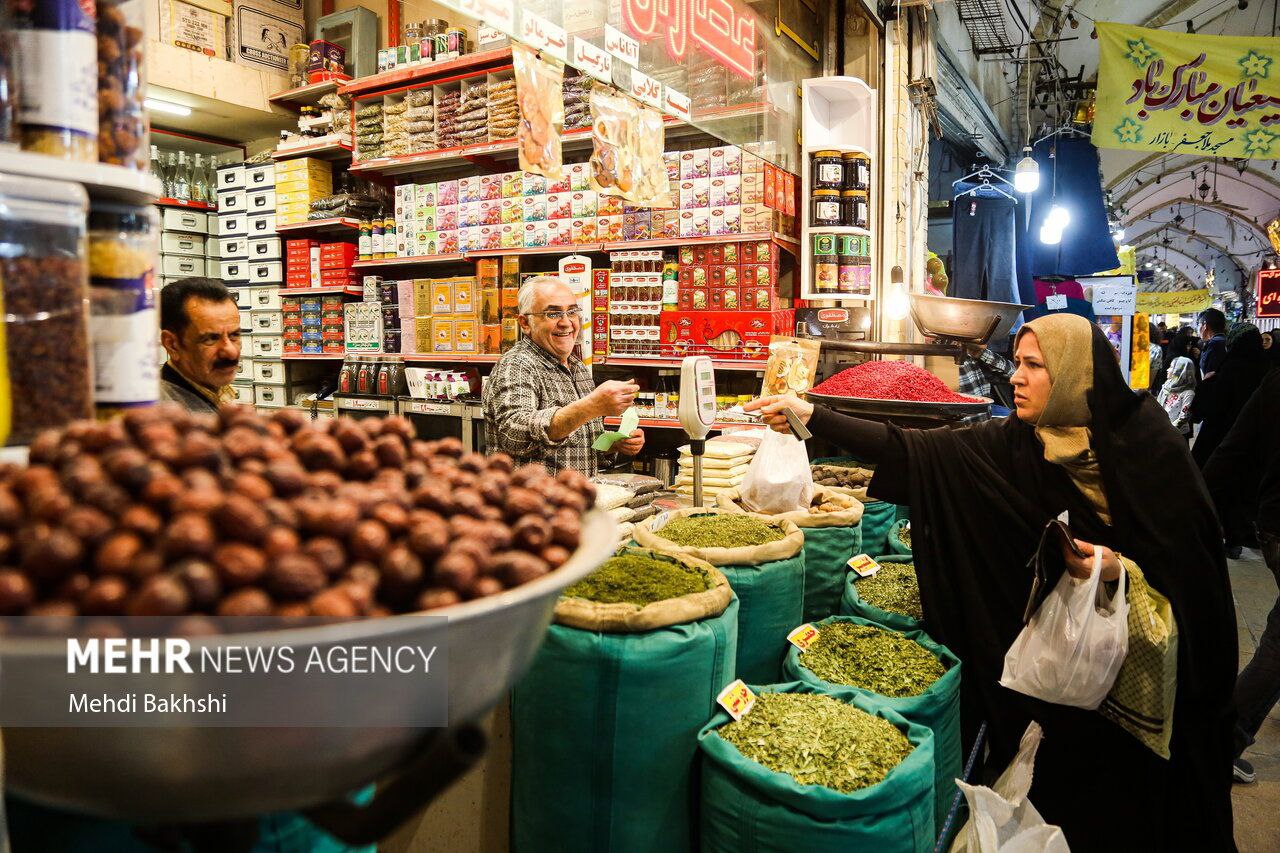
[938, 708]
[747, 807]
[877, 516]
[852, 605]
[893, 544]
[605, 724]
[830, 540]
[768, 580]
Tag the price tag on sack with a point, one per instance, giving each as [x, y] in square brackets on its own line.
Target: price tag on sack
[1056, 302]
[864, 565]
[737, 699]
[803, 637]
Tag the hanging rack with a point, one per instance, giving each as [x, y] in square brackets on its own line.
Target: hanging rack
[1062, 131]
[985, 172]
[986, 185]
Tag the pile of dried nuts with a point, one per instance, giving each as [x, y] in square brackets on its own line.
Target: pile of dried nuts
[164, 513]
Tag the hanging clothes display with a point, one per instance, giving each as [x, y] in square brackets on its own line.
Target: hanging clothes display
[1069, 289]
[985, 228]
[1070, 178]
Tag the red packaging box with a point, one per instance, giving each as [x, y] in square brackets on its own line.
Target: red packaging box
[339, 278]
[759, 252]
[335, 255]
[691, 255]
[326, 320]
[694, 276]
[292, 319]
[299, 248]
[737, 334]
[770, 184]
[332, 334]
[716, 273]
[759, 275]
[789, 191]
[732, 275]
[290, 304]
[292, 347]
[293, 334]
[760, 299]
[730, 252]
[695, 299]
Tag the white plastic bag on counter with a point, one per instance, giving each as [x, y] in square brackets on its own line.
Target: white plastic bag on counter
[1001, 818]
[778, 478]
[1071, 651]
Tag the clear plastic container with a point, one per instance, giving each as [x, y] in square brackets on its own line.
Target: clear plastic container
[123, 128]
[46, 379]
[59, 83]
[124, 323]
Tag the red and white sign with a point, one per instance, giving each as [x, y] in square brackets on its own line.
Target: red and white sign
[722, 28]
[540, 34]
[621, 45]
[676, 104]
[645, 89]
[591, 60]
[1268, 292]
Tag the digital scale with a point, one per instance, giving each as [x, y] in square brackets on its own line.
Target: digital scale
[697, 411]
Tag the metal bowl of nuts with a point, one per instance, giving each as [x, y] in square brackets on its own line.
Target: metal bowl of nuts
[176, 775]
[191, 519]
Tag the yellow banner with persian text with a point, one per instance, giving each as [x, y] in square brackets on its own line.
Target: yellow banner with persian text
[1163, 91]
[1175, 302]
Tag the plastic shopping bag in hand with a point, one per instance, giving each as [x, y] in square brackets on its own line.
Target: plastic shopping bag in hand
[1071, 651]
[778, 479]
[1001, 818]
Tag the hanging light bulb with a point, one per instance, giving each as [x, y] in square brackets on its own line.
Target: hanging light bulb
[1026, 175]
[1191, 26]
[1059, 218]
[1071, 19]
[1050, 235]
[898, 305]
[1147, 265]
[1093, 33]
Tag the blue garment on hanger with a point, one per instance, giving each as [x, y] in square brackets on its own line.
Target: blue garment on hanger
[1086, 247]
[985, 238]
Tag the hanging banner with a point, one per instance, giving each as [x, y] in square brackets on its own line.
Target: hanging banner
[1268, 293]
[1186, 93]
[1175, 302]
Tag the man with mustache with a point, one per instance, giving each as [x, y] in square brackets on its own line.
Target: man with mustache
[200, 330]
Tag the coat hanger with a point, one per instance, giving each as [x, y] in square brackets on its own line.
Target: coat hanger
[987, 186]
[1068, 130]
[985, 172]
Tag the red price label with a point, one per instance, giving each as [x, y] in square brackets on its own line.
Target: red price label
[737, 699]
[864, 565]
[803, 637]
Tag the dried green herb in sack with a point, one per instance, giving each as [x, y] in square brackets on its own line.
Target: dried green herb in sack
[904, 536]
[817, 740]
[893, 589]
[874, 659]
[719, 531]
[640, 580]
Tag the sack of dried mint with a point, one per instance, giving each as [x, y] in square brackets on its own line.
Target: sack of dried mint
[898, 540]
[890, 597]
[831, 538]
[764, 562]
[646, 627]
[906, 671]
[832, 771]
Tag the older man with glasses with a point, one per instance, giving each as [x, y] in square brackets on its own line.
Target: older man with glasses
[541, 403]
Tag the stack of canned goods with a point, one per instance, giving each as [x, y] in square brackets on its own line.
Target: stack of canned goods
[842, 264]
[839, 188]
[432, 40]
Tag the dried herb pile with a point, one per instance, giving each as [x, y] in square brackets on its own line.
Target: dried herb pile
[720, 531]
[640, 580]
[874, 659]
[904, 535]
[818, 740]
[893, 589]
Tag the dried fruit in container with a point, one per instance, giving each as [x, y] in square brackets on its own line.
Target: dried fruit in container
[652, 188]
[614, 144]
[538, 92]
[793, 362]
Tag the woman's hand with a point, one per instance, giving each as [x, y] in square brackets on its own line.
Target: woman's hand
[1082, 567]
[770, 409]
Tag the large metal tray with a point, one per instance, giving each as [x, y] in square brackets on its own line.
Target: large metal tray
[963, 319]
[881, 409]
[178, 775]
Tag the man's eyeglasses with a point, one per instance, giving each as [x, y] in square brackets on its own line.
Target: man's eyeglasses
[555, 315]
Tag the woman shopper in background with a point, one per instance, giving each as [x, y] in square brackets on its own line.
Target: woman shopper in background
[1177, 393]
[1081, 442]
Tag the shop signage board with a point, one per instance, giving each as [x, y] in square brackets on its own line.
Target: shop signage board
[539, 33]
[621, 45]
[1113, 294]
[724, 29]
[1175, 302]
[676, 104]
[591, 60]
[1187, 93]
[1268, 293]
[645, 89]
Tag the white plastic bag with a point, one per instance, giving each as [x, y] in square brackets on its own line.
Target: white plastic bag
[1001, 818]
[1071, 651]
[778, 478]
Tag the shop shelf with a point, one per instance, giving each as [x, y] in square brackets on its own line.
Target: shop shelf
[788, 243]
[343, 225]
[837, 229]
[483, 153]
[189, 205]
[451, 358]
[312, 291]
[329, 150]
[101, 181]
[305, 96]
[423, 73]
[307, 356]
[641, 361]
[395, 262]
[576, 248]
[664, 423]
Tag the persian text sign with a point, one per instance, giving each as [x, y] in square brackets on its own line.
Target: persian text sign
[1163, 91]
[1268, 292]
[1175, 302]
[722, 28]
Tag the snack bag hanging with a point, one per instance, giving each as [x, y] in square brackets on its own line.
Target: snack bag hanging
[539, 91]
[614, 144]
[652, 189]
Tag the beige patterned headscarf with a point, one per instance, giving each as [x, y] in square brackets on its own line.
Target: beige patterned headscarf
[1063, 428]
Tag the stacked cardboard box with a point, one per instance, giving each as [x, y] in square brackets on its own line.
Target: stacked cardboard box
[731, 277]
[299, 182]
[314, 324]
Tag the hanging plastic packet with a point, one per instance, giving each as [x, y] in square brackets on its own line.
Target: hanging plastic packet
[614, 148]
[539, 86]
[652, 189]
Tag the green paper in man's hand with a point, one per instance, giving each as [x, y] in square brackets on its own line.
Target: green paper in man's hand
[606, 441]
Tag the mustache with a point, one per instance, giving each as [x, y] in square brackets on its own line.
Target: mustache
[225, 363]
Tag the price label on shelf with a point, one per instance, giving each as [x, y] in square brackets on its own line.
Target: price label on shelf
[645, 89]
[864, 565]
[676, 104]
[803, 637]
[363, 404]
[737, 699]
[540, 34]
[591, 60]
[621, 45]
